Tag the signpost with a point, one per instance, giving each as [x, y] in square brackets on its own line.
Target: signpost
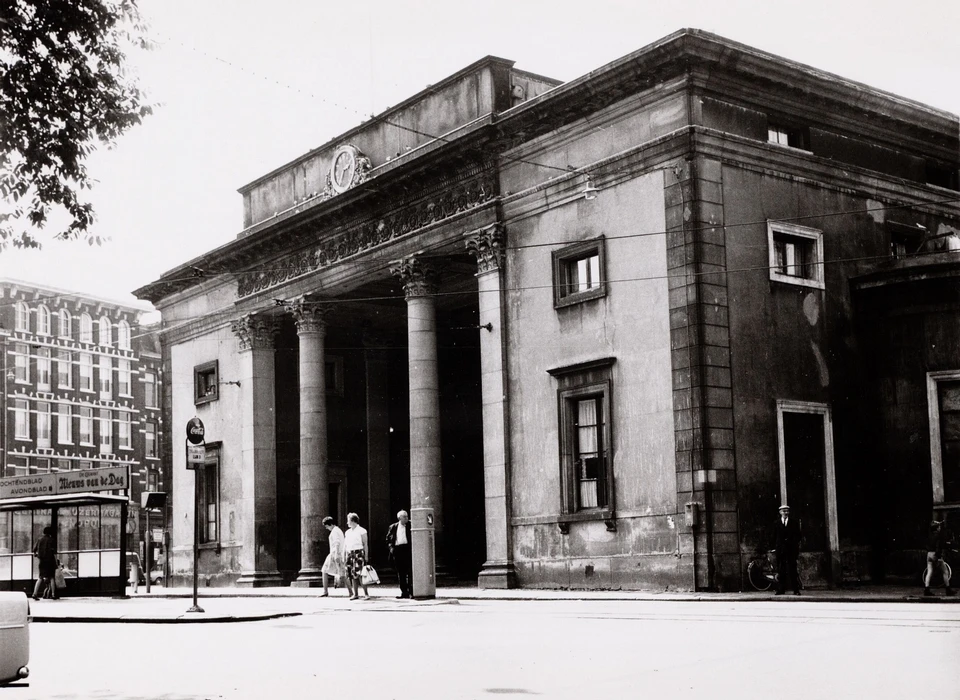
[195, 455]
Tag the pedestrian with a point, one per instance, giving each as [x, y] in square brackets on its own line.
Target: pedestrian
[936, 543]
[45, 550]
[398, 542]
[788, 549]
[355, 545]
[333, 564]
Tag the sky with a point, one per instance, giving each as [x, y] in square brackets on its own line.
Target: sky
[242, 87]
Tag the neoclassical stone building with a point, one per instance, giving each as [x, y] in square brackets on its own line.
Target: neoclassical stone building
[603, 328]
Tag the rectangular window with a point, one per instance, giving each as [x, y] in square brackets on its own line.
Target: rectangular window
[21, 410]
[43, 424]
[63, 465]
[783, 135]
[153, 480]
[21, 362]
[64, 424]
[943, 407]
[209, 488]
[124, 387]
[86, 371]
[150, 390]
[578, 273]
[150, 439]
[86, 425]
[106, 377]
[43, 369]
[40, 466]
[106, 431]
[795, 254]
[125, 440]
[586, 458]
[205, 385]
[64, 369]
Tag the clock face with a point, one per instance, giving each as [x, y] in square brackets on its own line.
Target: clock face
[343, 168]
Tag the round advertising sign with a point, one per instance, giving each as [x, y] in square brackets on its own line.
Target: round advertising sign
[195, 431]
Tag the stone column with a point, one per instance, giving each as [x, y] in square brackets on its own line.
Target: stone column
[487, 245]
[379, 509]
[419, 279]
[310, 315]
[258, 452]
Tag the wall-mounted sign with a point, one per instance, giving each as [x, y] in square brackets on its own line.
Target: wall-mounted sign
[106, 479]
[195, 431]
[196, 454]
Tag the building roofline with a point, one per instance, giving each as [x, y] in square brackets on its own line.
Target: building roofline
[82, 296]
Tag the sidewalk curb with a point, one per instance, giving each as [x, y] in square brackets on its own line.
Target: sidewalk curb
[162, 620]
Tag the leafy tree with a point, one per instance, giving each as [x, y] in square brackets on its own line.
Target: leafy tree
[64, 88]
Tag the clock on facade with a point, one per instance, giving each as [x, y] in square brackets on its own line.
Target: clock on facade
[348, 167]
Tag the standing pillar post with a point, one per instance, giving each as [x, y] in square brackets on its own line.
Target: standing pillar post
[310, 315]
[419, 279]
[487, 245]
[258, 451]
[379, 512]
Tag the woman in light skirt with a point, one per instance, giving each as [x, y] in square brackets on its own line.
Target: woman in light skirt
[333, 564]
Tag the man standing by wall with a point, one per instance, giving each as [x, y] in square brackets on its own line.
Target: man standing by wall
[398, 542]
[788, 549]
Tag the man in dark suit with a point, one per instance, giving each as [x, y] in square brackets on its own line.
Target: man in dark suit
[788, 549]
[398, 541]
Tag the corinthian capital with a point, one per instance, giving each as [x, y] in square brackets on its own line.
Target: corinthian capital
[488, 246]
[419, 276]
[255, 331]
[310, 314]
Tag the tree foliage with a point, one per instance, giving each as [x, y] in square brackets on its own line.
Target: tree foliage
[64, 89]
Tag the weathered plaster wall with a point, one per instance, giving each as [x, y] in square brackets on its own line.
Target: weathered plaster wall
[631, 323]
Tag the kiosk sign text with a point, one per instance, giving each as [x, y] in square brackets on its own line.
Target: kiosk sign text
[84, 481]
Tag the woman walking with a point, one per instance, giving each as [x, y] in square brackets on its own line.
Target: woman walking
[333, 564]
[45, 550]
[355, 544]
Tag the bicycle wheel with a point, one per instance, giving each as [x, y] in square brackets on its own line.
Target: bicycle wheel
[937, 575]
[760, 574]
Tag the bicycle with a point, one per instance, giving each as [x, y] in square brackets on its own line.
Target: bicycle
[937, 579]
[761, 572]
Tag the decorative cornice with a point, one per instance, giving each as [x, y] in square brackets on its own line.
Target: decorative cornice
[419, 277]
[310, 314]
[488, 246]
[448, 203]
[255, 332]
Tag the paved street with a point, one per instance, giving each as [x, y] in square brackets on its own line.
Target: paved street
[484, 649]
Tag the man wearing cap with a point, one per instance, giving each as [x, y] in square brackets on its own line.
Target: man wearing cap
[788, 549]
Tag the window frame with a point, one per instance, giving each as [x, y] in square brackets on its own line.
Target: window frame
[21, 419]
[43, 320]
[86, 328]
[150, 380]
[211, 465]
[575, 383]
[22, 317]
[64, 424]
[65, 324]
[123, 335]
[85, 414]
[104, 332]
[64, 357]
[105, 377]
[936, 440]
[105, 419]
[124, 430]
[124, 370]
[86, 364]
[44, 424]
[776, 229]
[212, 392]
[44, 366]
[150, 440]
[564, 257]
[21, 363]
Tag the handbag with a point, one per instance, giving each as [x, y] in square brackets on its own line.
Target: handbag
[59, 580]
[368, 575]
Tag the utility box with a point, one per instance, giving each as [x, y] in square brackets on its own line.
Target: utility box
[691, 515]
[423, 553]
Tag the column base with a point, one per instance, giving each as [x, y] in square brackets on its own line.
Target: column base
[497, 574]
[259, 579]
[308, 578]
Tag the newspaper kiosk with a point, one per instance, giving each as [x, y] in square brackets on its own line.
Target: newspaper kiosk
[88, 513]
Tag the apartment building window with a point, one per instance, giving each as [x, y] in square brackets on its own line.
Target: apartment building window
[205, 386]
[63, 465]
[21, 362]
[106, 431]
[124, 385]
[150, 439]
[65, 424]
[41, 465]
[124, 433]
[209, 489]
[795, 254]
[85, 464]
[586, 457]
[43, 320]
[104, 332]
[22, 320]
[578, 273]
[43, 424]
[150, 390]
[21, 411]
[153, 480]
[66, 324]
[43, 369]
[106, 377]
[86, 328]
[64, 369]
[86, 371]
[86, 425]
[123, 335]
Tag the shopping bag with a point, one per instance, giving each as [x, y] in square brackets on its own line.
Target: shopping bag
[59, 580]
[368, 575]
